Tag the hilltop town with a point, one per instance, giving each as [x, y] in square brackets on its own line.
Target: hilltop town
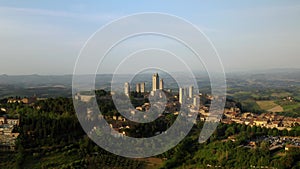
[198, 103]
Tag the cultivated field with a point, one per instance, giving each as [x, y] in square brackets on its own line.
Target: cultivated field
[270, 106]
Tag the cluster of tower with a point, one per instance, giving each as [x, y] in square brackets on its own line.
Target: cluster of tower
[158, 84]
[188, 93]
[140, 87]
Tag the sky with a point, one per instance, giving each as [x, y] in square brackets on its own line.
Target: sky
[45, 37]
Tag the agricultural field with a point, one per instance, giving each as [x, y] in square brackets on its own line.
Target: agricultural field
[269, 106]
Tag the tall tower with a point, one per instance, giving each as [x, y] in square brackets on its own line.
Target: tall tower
[186, 91]
[181, 93]
[161, 84]
[138, 87]
[127, 89]
[143, 87]
[196, 101]
[191, 91]
[155, 82]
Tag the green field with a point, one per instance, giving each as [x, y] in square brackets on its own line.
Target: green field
[281, 94]
[291, 107]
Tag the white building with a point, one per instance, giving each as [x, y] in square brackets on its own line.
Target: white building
[13, 121]
[84, 98]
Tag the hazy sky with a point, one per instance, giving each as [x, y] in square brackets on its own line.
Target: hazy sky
[45, 37]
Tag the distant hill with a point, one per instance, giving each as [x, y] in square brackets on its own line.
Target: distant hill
[35, 80]
[61, 85]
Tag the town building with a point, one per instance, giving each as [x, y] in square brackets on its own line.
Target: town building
[260, 122]
[2, 120]
[84, 98]
[24, 100]
[13, 121]
[7, 136]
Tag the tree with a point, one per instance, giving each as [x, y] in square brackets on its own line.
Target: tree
[248, 129]
[253, 129]
[274, 132]
[20, 156]
[264, 145]
[285, 132]
[230, 131]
